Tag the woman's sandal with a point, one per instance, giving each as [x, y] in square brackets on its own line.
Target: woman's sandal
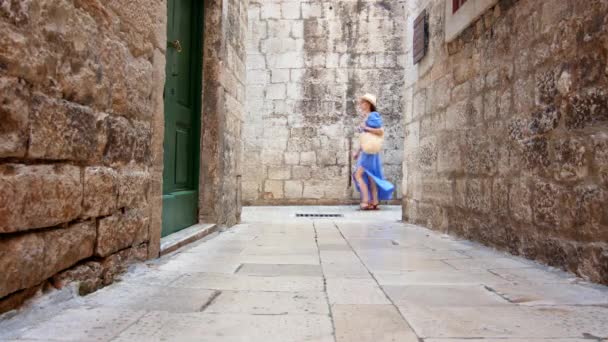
[366, 207]
[375, 206]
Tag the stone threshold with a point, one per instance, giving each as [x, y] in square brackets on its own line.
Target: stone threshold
[177, 240]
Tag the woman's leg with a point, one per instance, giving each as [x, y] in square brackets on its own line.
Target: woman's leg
[374, 191]
[362, 186]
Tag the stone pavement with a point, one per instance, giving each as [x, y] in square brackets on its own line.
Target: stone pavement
[363, 277]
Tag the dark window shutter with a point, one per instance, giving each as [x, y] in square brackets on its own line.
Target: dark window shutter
[421, 37]
[456, 4]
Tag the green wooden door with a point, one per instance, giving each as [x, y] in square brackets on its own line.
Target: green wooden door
[182, 112]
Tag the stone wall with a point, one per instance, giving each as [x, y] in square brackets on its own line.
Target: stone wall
[307, 63]
[223, 111]
[507, 131]
[80, 100]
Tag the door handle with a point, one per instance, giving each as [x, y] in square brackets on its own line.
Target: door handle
[176, 44]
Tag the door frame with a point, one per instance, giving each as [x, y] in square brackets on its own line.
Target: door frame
[197, 87]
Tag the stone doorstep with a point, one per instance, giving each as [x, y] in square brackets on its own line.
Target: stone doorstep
[177, 240]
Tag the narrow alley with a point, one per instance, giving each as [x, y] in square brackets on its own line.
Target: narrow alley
[359, 277]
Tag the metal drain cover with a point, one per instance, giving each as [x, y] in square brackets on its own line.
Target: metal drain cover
[319, 215]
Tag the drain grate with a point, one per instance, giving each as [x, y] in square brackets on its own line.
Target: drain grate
[319, 215]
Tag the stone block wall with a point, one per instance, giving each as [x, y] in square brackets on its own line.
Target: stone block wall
[224, 74]
[506, 134]
[80, 113]
[307, 62]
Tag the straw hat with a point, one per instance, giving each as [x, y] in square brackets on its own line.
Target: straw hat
[369, 98]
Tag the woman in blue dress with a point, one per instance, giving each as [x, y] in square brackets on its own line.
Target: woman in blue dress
[368, 175]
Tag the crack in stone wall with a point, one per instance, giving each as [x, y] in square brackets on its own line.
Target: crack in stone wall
[307, 63]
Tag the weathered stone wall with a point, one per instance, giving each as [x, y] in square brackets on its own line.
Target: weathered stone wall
[307, 63]
[224, 75]
[80, 107]
[507, 131]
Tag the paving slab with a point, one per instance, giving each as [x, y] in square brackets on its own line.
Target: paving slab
[508, 340]
[452, 277]
[534, 275]
[508, 322]
[488, 263]
[248, 283]
[191, 262]
[371, 323]
[443, 296]
[84, 324]
[345, 270]
[279, 270]
[397, 266]
[301, 259]
[150, 298]
[552, 294]
[201, 327]
[355, 291]
[404, 253]
[269, 303]
[339, 257]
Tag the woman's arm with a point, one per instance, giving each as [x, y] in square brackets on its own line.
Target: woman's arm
[376, 131]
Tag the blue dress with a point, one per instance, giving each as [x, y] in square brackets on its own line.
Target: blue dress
[372, 165]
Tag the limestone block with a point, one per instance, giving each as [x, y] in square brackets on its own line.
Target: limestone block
[256, 62]
[251, 190]
[88, 276]
[520, 197]
[133, 185]
[257, 77]
[587, 108]
[301, 172]
[600, 159]
[142, 22]
[295, 91]
[297, 28]
[100, 191]
[38, 196]
[523, 91]
[584, 212]
[28, 259]
[273, 189]
[276, 92]
[427, 154]
[14, 110]
[286, 60]
[292, 158]
[314, 189]
[272, 157]
[279, 29]
[120, 231]
[569, 162]
[326, 157]
[420, 103]
[138, 78]
[290, 10]
[279, 173]
[64, 130]
[312, 10]
[279, 75]
[546, 204]
[272, 46]
[296, 75]
[293, 189]
[113, 57]
[440, 93]
[271, 11]
[308, 158]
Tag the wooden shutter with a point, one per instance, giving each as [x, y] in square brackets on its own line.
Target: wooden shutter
[456, 4]
[420, 37]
